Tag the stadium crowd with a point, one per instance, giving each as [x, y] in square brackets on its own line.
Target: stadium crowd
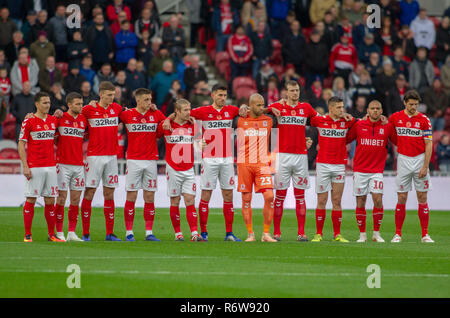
[256, 45]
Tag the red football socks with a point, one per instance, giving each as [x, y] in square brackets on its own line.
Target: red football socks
[108, 211]
[400, 212]
[300, 210]
[424, 216]
[28, 213]
[336, 218]
[128, 212]
[50, 217]
[320, 220]
[175, 218]
[280, 196]
[149, 215]
[203, 210]
[377, 218]
[59, 212]
[228, 214]
[72, 217]
[191, 215]
[86, 210]
[361, 219]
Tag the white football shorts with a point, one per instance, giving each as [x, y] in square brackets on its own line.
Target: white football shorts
[102, 168]
[141, 174]
[293, 166]
[407, 170]
[217, 168]
[363, 183]
[327, 174]
[43, 183]
[70, 177]
[180, 182]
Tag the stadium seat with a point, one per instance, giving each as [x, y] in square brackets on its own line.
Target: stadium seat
[436, 21]
[221, 57]
[7, 144]
[211, 48]
[9, 153]
[328, 82]
[277, 57]
[63, 67]
[243, 82]
[278, 69]
[244, 92]
[307, 32]
[9, 127]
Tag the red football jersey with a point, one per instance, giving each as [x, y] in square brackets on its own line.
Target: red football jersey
[179, 145]
[411, 132]
[39, 135]
[70, 139]
[141, 132]
[291, 123]
[102, 125]
[371, 145]
[217, 128]
[332, 139]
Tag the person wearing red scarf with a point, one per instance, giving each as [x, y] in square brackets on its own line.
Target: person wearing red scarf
[240, 49]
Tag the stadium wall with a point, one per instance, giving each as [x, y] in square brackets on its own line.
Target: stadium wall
[11, 194]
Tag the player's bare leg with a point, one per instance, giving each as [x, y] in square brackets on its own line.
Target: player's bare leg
[360, 214]
[191, 215]
[59, 212]
[337, 190]
[86, 210]
[424, 216]
[28, 214]
[175, 217]
[377, 213]
[268, 216]
[247, 215]
[149, 215]
[322, 199]
[203, 210]
[400, 212]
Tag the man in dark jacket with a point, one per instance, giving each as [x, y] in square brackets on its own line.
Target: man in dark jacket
[49, 75]
[316, 58]
[262, 46]
[394, 100]
[100, 40]
[193, 74]
[22, 104]
[72, 82]
[173, 37]
[223, 20]
[294, 47]
[77, 49]
[134, 79]
[57, 33]
[7, 28]
[12, 49]
[366, 47]
[104, 74]
[437, 103]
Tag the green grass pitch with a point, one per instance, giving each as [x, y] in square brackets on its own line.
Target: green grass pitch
[225, 269]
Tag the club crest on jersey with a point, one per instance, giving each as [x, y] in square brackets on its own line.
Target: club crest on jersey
[112, 112]
[152, 119]
[381, 131]
[189, 130]
[82, 125]
[265, 123]
[53, 126]
[301, 112]
[417, 125]
[342, 125]
[242, 186]
[226, 114]
[408, 124]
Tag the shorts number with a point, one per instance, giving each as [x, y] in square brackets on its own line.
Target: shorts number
[302, 181]
[54, 190]
[78, 183]
[378, 185]
[152, 183]
[231, 181]
[427, 185]
[340, 177]
[266, 181]
[114, 179]
[194, 187]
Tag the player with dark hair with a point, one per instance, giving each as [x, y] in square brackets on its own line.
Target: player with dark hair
[70, 167]
[142, 153]
[39, 165]
[330, 167]
[414, 147]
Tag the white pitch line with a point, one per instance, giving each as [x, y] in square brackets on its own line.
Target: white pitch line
[295, 274]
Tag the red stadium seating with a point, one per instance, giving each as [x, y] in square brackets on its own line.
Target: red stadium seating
[221, 57]
[243, 82]
[9, 127]
[244, 92]
[436, 21]
[277, 56]
[328, 82]
[9, 168]
[63, 67]
[278, 69]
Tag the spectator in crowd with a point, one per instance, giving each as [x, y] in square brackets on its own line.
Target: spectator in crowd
[272, 94]
[394, 100]
[113, 10]
[340, 91]
[195, 19]
[27, 27]
[121, 83]
[443, 41]
[181, 68]
[175, 92]
[302, 12]
[87, 93]
[116, 26]
[405, 39]
[251, 15]
[443, 153]
[134, 79]
[104, 74]
[24, 70]
[327, 93]
[330, 36]
[355, 76]
[314, 92]
[40, 25]
[57, 98]
[289, 75]
[49, 75]
[318, 9]
[360, 29]
[144, 48]
[57, 33]
[201, 95]
[390, 9]
[41, 49]
[277, 12]
[3, 62]
[423, 29]
[162, 82]
[240, 49]
[12, 49]
[343, 59]
[384, 80]
[359, 107]
[316, 58]
[399, 63]
[421, 71]
[7, 28]
[22, 104]
[350, 11]
[126, 42]
[118, 95]
[262, 46]
[386, 36]
[140, 68]
[156, 64]
[72, 82]
[264, 75]
[363, 88]
[146, 22]
[193, 74]
[409, 9]
[173, 37]
[374, 65]
[224, 19]
[86, 69]
[294, 47]
[345, 28]
[5, 89]
[101, 41]
[367, 46]
[437, 102]
[3, 112]
[445, 75]
[77, 48]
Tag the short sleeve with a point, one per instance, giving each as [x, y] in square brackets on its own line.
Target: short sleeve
[315, 121]
[161, 116]
[123, 117]
[25, 130]
[197, 113]
[351, 135]
[160, 130]
[392, 120]
[85, 111]
[311, 111]
[426, 129]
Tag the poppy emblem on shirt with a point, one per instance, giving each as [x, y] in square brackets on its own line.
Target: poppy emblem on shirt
[45, 127]
[105, 115]
[219, 117]
[408, 124]
[75, 125]
[143, 120]
[293, 113]
[256, 125]
[333, 126]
